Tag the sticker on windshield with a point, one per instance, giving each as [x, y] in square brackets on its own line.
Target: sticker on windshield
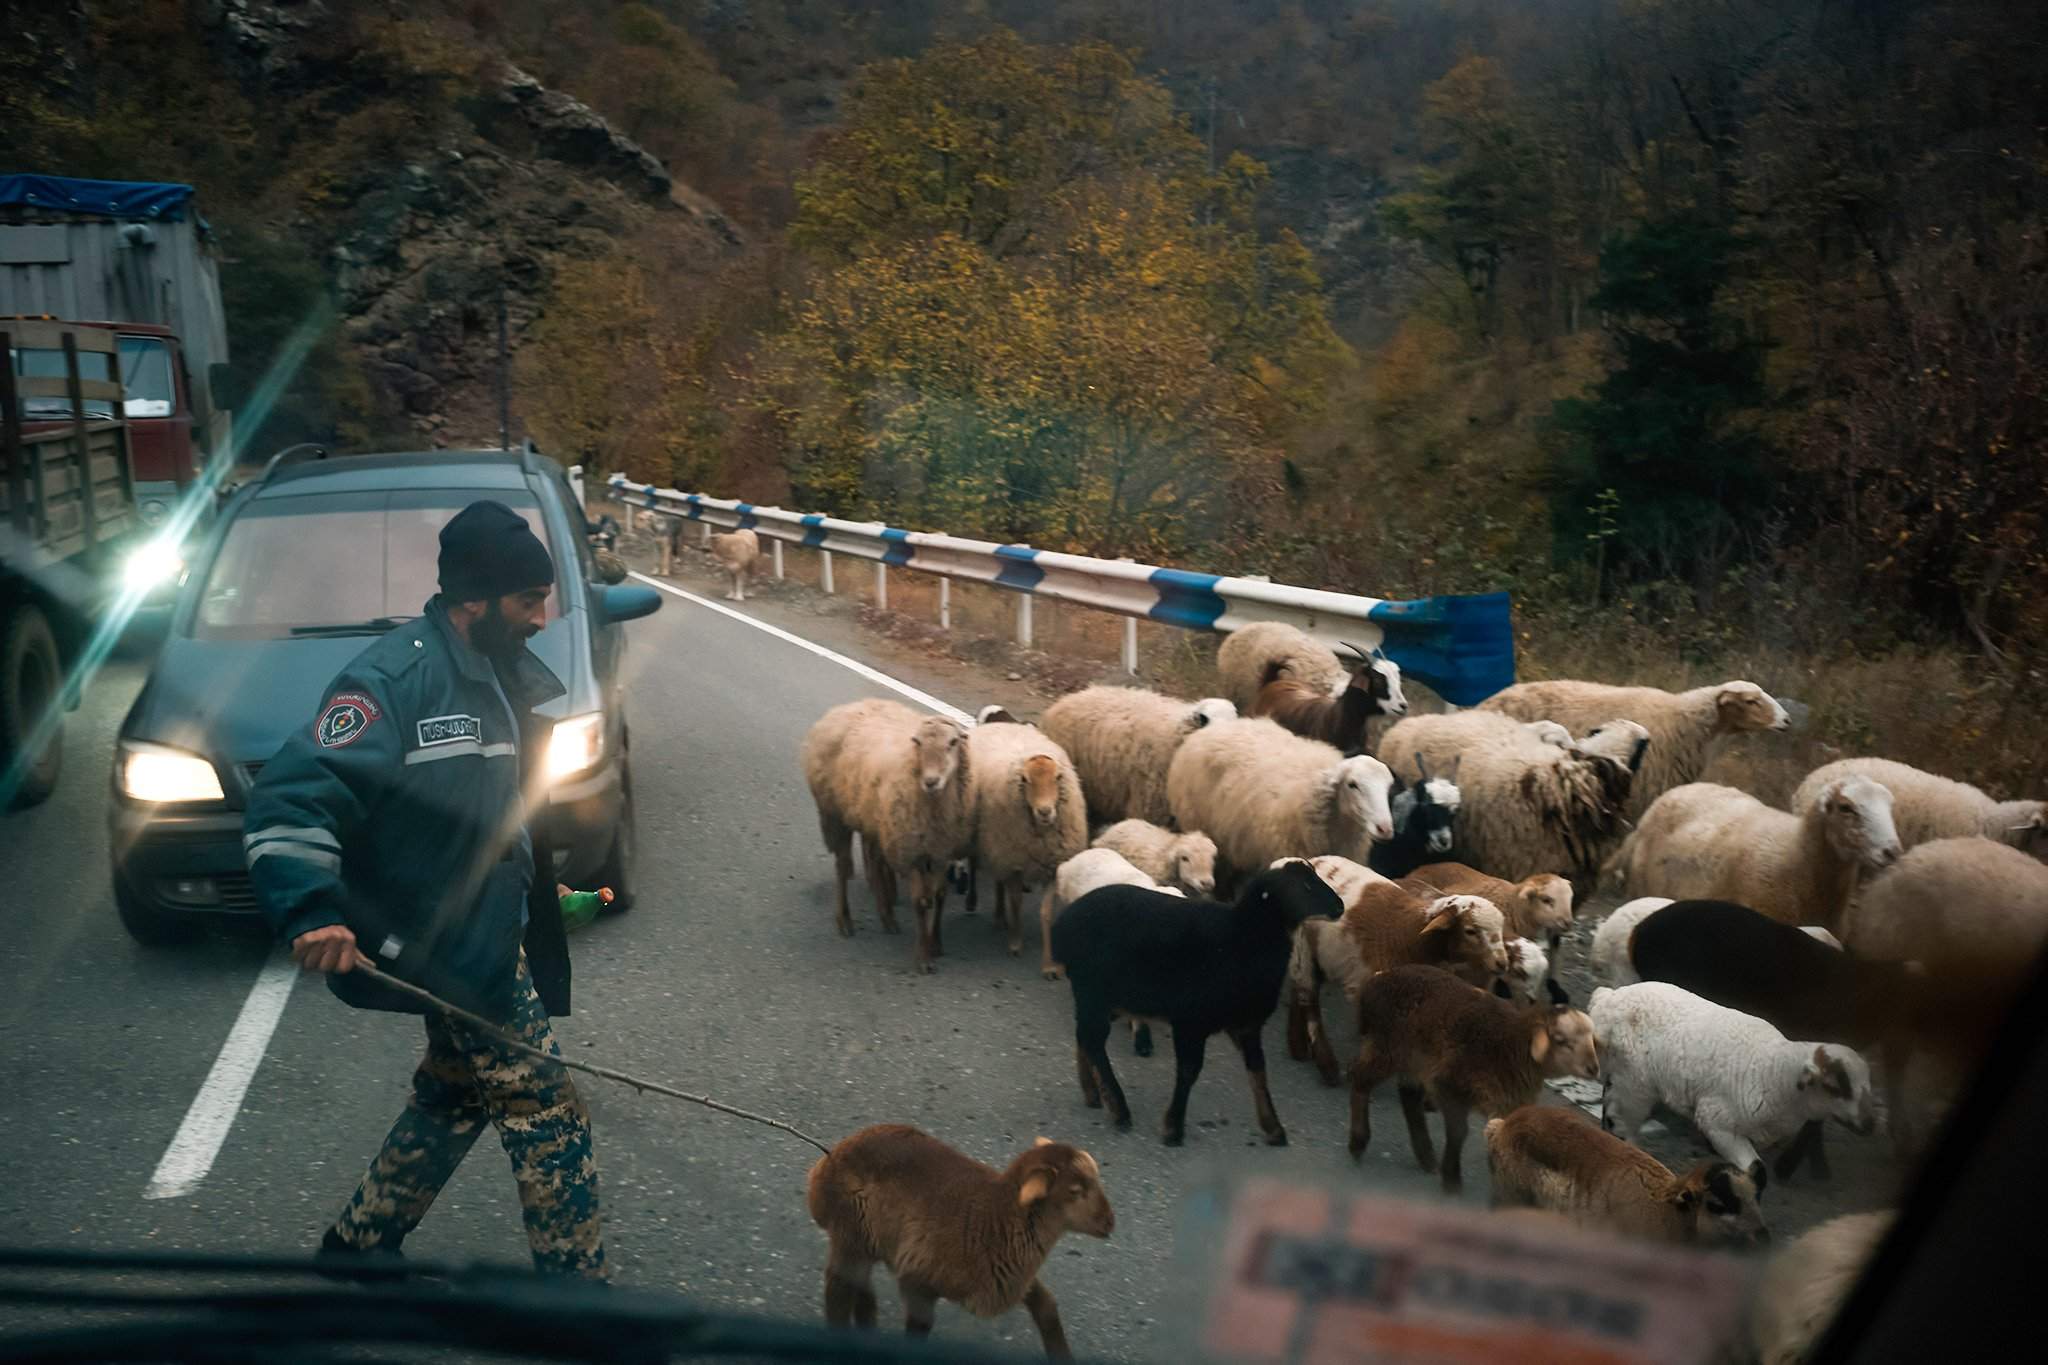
[344, 718]
[449, 729]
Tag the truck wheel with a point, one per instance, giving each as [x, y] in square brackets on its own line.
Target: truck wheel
[617, 869]
[147, 925]
[30, 680]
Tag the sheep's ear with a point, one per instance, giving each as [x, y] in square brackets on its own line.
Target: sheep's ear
[1558, 995]
[1442, 919]
[1043, 1142]
[1539, 1044]
[1815, 1071]
[1500, 988]
[1036, 1186]
[1687, 1199]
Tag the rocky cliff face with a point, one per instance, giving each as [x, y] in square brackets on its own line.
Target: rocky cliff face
[419, 249]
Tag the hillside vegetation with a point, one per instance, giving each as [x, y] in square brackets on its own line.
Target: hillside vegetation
[1712, 329]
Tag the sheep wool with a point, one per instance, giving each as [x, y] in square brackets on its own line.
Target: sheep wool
[1262, 793]
[1122, 739]
[1686, 728]
[1806, 1284]
[1247, 652]
[1743, 1084]
[1529, 806]
[1704, 841]
[1612, 962]
[1029, 813]
[1186, 861]
[1926, 807]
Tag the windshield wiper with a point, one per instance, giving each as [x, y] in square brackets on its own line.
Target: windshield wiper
[376, 625]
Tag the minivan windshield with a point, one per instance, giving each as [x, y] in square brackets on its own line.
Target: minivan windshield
[335, 559]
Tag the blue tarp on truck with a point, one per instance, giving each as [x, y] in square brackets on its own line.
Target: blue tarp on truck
[143, 200]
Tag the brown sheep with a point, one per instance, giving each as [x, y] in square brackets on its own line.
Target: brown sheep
[1538, 907]
[1465, 1049]
[1557, 1158]
[1382, 927]
[949, 1227]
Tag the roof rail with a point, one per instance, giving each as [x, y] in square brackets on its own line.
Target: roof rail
[298, 454]
[529, 457]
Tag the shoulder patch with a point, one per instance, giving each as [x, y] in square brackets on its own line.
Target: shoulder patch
[344, 719]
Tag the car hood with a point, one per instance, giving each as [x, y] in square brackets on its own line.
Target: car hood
[235, 701]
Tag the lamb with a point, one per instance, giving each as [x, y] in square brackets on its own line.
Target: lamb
[901, 781]
[1538, 907]
[1465, 1048]
[1739, 1081]
[1731, 955]
[1122, 739]
[1201, 966]
[1423, 817]
[736, 552]
[1383, 927]
[1374, 689]
[1554, 1157]
[1806, 1284]
[1970, 916]
[1528, 970]
[1088, 870]
[1187, 861]
[1926, 807]
[1262, 793]
[1686, 728]
[1248, 655]
[1530, 807]
[1029, 814]
[949, 1227]
[1704, 841]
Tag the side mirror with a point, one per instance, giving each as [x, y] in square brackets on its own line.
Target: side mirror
[630, 603]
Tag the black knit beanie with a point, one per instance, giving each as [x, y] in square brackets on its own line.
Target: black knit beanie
[487, 551]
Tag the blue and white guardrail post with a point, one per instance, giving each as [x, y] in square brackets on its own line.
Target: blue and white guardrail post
[1461, 647]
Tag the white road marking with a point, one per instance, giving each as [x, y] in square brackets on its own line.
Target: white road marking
[191, 1153]
[924, 699]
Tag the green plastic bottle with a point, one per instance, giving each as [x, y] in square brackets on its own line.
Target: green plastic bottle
[581, 907]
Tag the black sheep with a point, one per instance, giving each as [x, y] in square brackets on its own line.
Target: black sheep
[1201, 966]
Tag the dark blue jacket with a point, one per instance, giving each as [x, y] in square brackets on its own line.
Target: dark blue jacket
[398, 812]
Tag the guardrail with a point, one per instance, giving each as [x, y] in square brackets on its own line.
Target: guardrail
[1461, 647]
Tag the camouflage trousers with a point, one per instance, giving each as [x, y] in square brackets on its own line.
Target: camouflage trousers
[465, 1080]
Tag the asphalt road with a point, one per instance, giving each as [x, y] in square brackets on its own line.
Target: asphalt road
[728, 978]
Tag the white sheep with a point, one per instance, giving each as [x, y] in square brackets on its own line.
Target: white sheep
[1704, 841]
[1029, 814]
[1528, 967]
[1246, 653]
[1970, 916]
[1262, 793]
[1089, 870]
[1122, 739]
[899, 779]
[1742, 1083]
[1805, 1285]
[1187, 861]
[1610, 954]
[736, 552]
[1529, 806]
[1927, 807]
[1686, 728]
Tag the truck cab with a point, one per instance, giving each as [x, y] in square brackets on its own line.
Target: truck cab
[158, 407]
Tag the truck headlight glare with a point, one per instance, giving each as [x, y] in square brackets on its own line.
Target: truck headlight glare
[151, 773]
[576, 745]
[153, 563]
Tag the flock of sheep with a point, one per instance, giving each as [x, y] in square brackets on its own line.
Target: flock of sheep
[1248, 851]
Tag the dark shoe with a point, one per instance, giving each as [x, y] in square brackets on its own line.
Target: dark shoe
[339, 1260]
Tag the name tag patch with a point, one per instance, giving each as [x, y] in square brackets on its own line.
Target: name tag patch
[449, 730]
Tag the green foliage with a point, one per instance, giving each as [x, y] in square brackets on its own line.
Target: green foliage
[1665, 449]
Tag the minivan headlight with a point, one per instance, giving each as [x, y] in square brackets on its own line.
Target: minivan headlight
[151, 564]
[150, 772]
[576, 745]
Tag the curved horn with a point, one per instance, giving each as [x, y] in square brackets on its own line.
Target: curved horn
[1353, 650]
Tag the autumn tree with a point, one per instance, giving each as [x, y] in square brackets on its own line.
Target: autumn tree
[1034, 309]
